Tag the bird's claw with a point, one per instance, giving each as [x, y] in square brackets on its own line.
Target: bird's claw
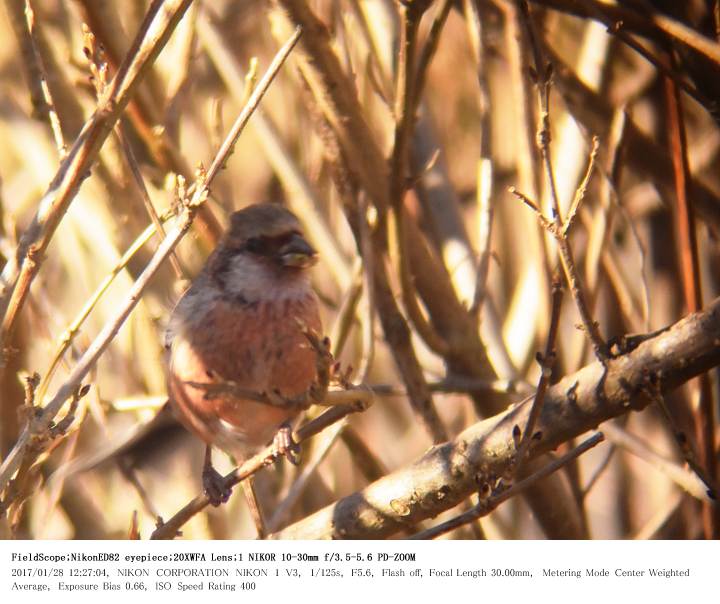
[284, 445]
[215, 486]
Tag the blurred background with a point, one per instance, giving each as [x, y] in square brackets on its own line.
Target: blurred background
[487, 257]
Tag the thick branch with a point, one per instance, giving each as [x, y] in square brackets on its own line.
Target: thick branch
[448, 474]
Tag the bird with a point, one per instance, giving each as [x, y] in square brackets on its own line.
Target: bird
[243, 321]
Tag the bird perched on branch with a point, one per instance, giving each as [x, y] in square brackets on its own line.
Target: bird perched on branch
[241, 322]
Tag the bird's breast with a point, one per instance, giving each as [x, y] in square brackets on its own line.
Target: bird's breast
[259, 346]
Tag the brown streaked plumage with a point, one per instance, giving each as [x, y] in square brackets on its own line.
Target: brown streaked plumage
[239, 321]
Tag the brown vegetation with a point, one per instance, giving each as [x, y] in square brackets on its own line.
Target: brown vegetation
[500, 192]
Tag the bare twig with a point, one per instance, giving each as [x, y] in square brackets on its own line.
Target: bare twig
[682, 441]
[642, 154]
[690, 482]
[690, 270]
[72, 330]
[404, 123]
[485, 220]
[655, 23]
[300, 194]
[600, 470]
[582, 189]
[428, 52]
[357, 163]
[43, 83]
[543, 74]
[547, 361]
[169, 529]
[144, 109]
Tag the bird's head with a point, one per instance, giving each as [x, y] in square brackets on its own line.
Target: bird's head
[264, 247]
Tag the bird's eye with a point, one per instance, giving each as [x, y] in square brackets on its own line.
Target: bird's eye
[255, 245]
[268, 245]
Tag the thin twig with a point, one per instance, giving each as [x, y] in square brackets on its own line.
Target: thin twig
[682, 441]
[47, 96]
[545, 223]
[67, 337]
[599, 471]
[356, 163]
[404, 125]
[692, 287]
[547, 361]
[582, 189]
[144, 109]
[301, 195]
[485, 211]
[369, 301]
[428, 51]
[542, 76]
[169, 529]
[651, 22]
[347, 311]
[144, 194]
[691, 482]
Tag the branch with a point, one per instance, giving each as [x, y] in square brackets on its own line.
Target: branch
[488, 504]
[641, 153]
[357, 161]
[23, 267]
[542, 77]
[546, 361]
[449, 473]
[654, 24]
[169, 529]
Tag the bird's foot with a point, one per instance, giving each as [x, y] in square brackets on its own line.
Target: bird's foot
[215, 486]
[284, 445]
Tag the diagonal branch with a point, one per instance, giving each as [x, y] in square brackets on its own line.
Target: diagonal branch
[487, 505]
[169, 529]
[23, 267]
[450, 473]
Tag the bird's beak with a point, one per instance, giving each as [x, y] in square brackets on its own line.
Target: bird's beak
[297, 253]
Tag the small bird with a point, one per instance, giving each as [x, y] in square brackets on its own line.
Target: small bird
[241, 321]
